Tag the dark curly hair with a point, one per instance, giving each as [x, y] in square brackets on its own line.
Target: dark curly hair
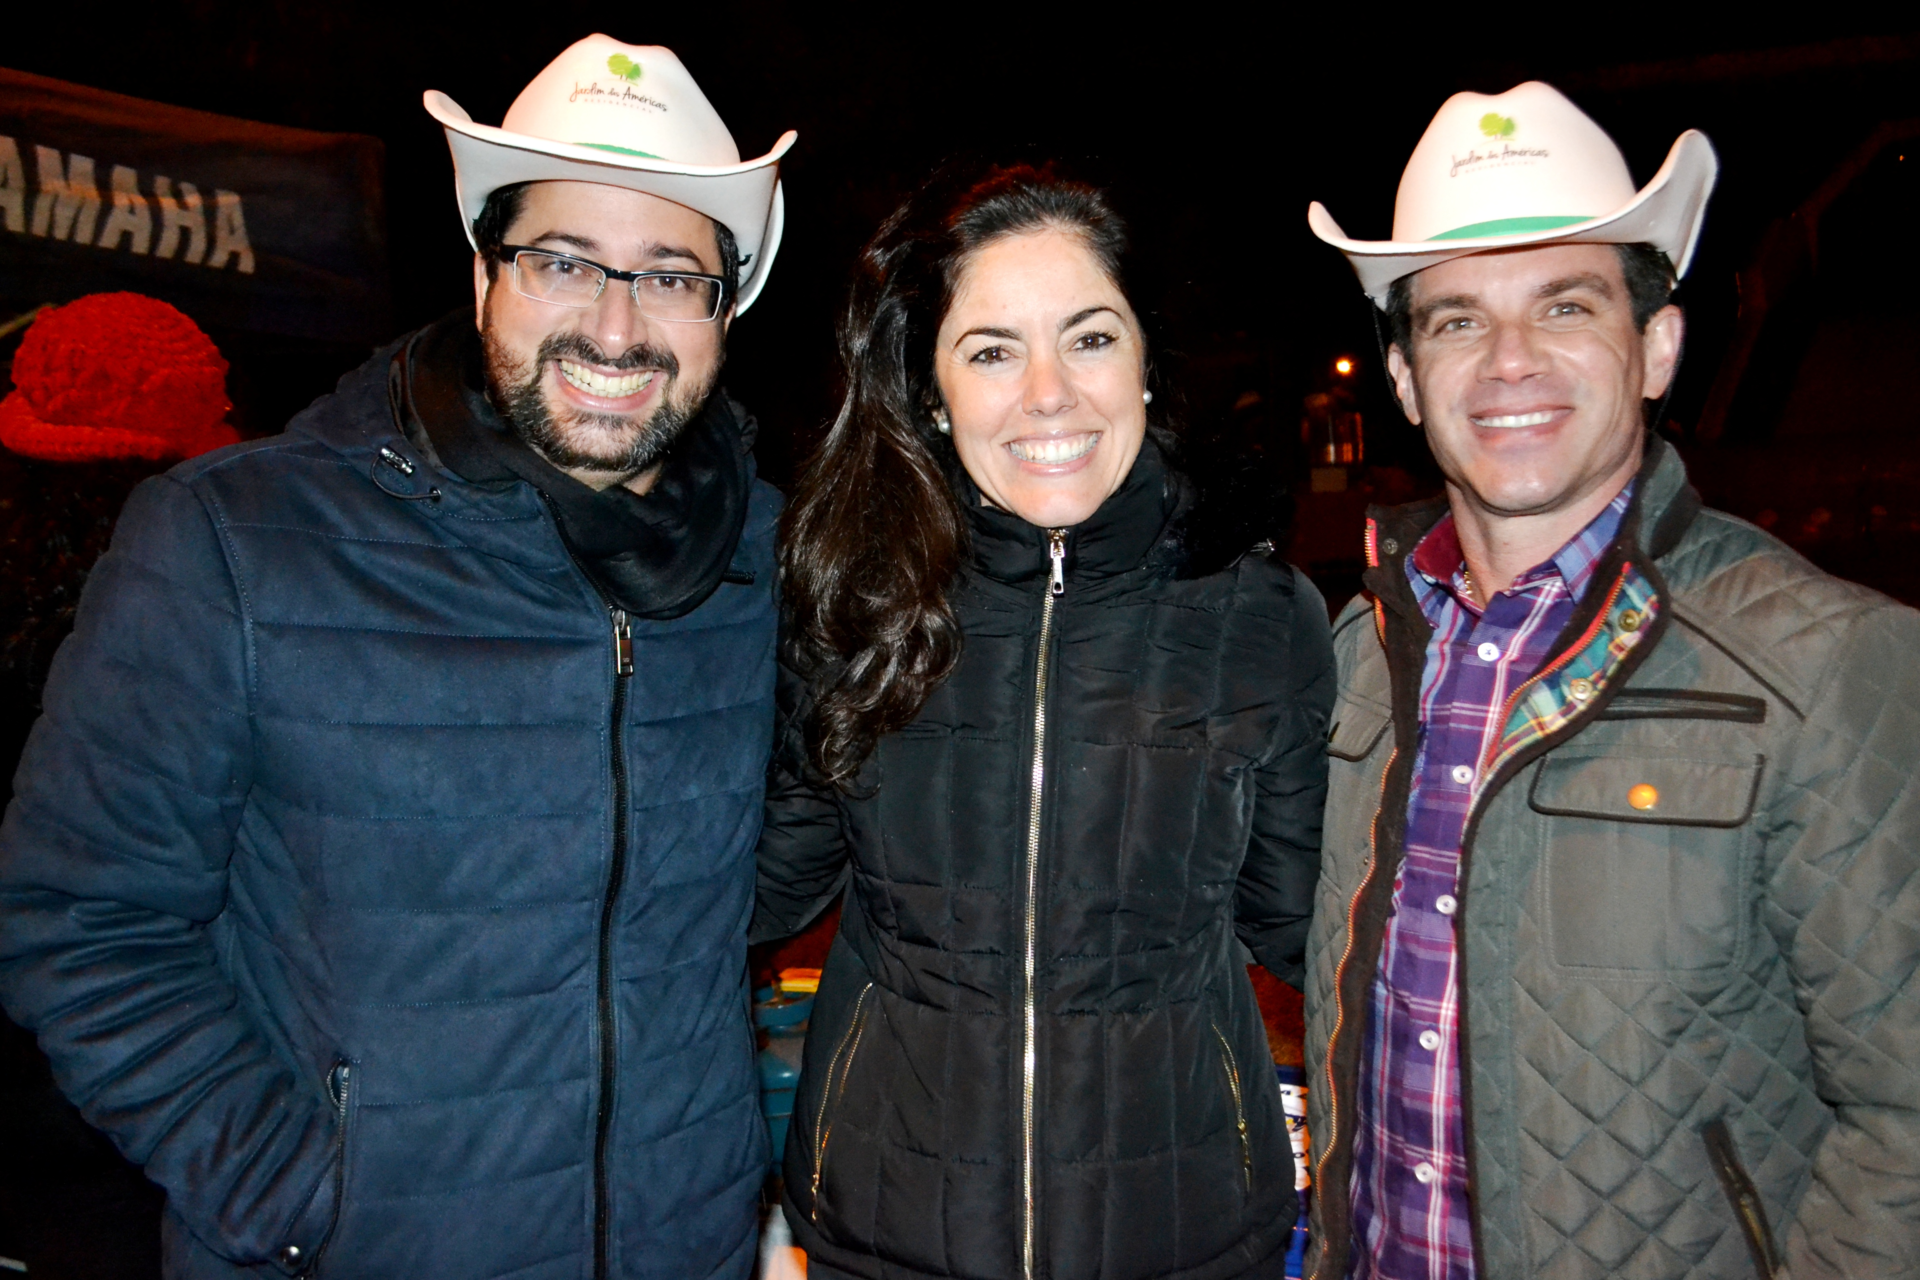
[875, 536]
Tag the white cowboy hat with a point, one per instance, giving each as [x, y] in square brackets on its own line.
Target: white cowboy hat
[627, 116]
[1526, 167]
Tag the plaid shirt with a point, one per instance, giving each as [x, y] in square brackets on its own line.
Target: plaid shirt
[1410, 1212]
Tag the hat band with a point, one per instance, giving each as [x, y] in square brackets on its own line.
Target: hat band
[1508, 227]
[625, 151]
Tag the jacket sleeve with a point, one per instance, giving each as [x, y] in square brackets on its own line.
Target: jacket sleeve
[114, 860]
[803, 847]
[1274, 901]
[1845, 908]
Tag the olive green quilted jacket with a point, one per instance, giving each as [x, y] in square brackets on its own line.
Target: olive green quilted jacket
[1690, 913]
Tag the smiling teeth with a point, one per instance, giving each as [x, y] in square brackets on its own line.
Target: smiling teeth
[1517, 420]
[595, 384]
[1064, 449]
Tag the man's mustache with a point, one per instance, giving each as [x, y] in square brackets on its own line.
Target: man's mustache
[578, 347]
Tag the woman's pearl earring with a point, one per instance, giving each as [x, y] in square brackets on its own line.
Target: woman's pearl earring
[943, 424]
[1146, 397]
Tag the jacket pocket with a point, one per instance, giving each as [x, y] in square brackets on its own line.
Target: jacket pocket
[1232, 1064]
[1646, 860]
[839, 1067]
[1684, 704]
[1680, 792]
[1355, 727]
[1748, 1210]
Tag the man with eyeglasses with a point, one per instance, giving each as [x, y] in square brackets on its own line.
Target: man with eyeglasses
[379, 873]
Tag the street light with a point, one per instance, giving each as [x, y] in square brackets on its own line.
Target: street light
[1344, 366]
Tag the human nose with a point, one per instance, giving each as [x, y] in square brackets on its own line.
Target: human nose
[1514, 353]
[1049, 390]
[614, 320]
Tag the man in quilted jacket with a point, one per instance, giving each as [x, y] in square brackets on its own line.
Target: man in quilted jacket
[378, 875]
[1612, 967]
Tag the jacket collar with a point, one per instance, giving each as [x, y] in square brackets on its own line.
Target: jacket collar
[1663, 507]
[1118, 538]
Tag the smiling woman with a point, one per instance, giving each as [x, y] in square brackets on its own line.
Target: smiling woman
[1041, 369]
[1068, 754]
[993, 358]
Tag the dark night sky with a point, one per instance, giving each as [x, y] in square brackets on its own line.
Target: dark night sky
[1214, 127]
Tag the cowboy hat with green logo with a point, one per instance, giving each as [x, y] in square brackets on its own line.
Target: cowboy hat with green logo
[627, 116]
[1526, 167]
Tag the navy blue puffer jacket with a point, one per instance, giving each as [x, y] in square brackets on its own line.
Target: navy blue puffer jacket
[312, 889]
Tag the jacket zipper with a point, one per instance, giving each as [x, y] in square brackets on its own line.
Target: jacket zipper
[340, 1091]
[1339, 1004]
[1232, 1065]
[1743, 1196]
[849, 1045]
[616, 872]
[1353, 914]
[1029, 1055]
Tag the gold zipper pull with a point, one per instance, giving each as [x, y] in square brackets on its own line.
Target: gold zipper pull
[622, 643]
[1057, 553]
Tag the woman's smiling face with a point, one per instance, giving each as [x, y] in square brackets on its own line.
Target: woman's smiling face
[1042, 369]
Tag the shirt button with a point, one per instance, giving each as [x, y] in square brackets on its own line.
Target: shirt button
[1423, 1173]
[1445, 904]
[1463, 774]
[1489, 651]
[1429, 1040]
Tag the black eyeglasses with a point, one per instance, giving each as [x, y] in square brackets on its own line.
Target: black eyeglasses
[567, 281]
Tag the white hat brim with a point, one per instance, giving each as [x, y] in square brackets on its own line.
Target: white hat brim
[746, 197]
[1667, 213]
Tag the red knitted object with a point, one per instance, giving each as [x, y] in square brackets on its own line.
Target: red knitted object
[116, 375]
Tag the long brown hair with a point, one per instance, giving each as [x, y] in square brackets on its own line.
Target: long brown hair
[875, 536]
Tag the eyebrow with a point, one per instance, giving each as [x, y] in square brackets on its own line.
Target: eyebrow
[1568, 284]
[585, 244]
[656, 252]
[1452, 302]
[649, 253]
[1079, 316]
[1012, 335]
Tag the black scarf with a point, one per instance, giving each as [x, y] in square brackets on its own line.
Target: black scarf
[658, 556]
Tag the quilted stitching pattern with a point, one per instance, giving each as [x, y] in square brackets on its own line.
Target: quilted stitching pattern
[1590, 1085]
[1185, 723]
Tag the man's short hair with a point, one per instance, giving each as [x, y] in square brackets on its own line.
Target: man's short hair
[504, 204]
[1648, 273]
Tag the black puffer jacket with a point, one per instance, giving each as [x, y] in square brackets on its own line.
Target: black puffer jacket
[1035, 1051]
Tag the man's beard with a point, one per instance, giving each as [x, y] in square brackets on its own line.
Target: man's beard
[614, 444]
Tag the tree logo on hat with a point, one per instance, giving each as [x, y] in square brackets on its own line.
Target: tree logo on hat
[1493, 124]
[624, 67]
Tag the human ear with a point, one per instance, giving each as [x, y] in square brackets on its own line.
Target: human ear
[1660, 344]
[482, 281]
[1400, 369]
